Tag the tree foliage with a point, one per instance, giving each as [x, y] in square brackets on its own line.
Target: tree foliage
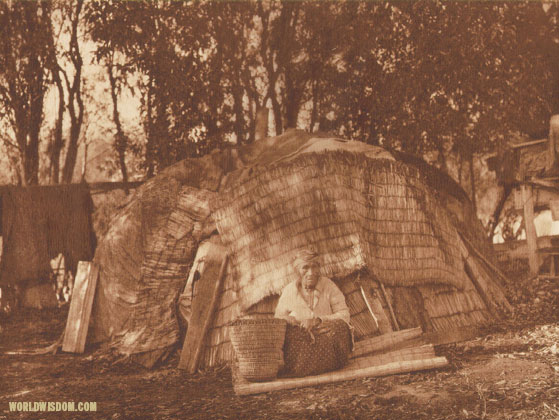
[443, 79]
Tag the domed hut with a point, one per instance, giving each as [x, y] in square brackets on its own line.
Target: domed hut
[399, 238]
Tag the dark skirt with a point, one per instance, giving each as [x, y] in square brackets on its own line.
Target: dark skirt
[328, 351]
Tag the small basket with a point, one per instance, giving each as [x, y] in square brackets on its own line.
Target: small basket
[258, 345]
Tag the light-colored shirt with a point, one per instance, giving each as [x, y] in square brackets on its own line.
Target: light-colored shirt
[327, 303]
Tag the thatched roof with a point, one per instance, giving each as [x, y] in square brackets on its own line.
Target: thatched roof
[364, 211]
[355, 211]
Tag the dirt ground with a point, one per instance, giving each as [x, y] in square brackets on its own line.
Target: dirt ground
[511, 372]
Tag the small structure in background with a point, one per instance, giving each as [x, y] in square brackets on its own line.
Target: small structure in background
[531, 169]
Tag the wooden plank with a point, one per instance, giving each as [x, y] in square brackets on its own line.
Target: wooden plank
[543, 195]
[519, 249]
[448, 336]
[531, 237]
[94, 186]
[385, 341]
[204, 253]
[517, 146]
[426, 351]
[77, 323]
[553, 146]
[528, 144]
[203, 308]
[345, 374]
[108, 186]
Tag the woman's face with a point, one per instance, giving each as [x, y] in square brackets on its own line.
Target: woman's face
[309, 275]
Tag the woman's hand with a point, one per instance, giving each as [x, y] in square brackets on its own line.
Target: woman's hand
[309, 324]
[322, 328]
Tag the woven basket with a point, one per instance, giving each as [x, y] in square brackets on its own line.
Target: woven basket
[258, 345]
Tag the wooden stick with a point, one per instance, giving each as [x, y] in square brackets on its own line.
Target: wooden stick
[341, 375]
[471, 247]
[531, 237]
[385, 341]
[491, 296]
[396, 326]
[368, 305]
[548, 277]
[96, 186]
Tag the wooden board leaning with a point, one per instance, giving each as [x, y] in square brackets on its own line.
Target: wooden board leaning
[77, 324]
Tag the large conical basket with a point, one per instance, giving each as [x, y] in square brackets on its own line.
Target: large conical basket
[258, 345]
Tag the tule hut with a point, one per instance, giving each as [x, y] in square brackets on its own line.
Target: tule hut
[399, 238]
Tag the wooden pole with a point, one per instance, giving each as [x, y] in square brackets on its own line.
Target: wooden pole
[385, 341]
[531, 237]
[552, 143]
[341, 375]
[492, 266]
[396, 326]
[368, 306]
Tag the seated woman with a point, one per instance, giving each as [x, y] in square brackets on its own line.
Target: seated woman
[318, 337]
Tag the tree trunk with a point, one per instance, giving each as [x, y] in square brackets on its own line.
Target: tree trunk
[292, 102]
[460, 164]
[150, 144]
[57, 142]
[494, 222]
[267, 56]
[21, 138]
[161, 130]
[441, 158]
[35, 121]
[315, 104]
[239, 114]
[277, 112]
[75, 102]
[293, 90]
[473, 181]
[121, 141]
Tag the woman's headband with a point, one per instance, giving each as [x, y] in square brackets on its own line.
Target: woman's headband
[304, 256]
